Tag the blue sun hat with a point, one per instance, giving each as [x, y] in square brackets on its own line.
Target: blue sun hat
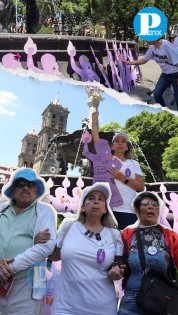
[28, 174]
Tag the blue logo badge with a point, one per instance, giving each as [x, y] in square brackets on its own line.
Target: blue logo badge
[150, 24]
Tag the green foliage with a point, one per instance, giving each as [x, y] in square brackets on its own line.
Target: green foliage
[153, 134]
[74, 12]
[170, 9]
[170, 160]
[60, 218]
[113, 126]
[21, 6]
[155, 140]
[45, 30]
[116, 15]
[96, 30]
[48, 8]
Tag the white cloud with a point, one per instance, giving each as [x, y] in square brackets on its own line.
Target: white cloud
[6, 112]
[7, 99]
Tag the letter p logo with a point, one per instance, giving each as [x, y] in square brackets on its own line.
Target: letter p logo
[145, 24]
[150, 24]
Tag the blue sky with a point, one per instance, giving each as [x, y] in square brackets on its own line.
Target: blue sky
[24, 98]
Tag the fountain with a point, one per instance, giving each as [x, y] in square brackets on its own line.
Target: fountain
[56, 168]
[136, 145]
[67, 148]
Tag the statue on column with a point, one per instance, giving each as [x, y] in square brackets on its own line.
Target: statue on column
[95, 96]
[94, 99]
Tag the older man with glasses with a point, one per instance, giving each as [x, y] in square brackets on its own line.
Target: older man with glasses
[22, 262]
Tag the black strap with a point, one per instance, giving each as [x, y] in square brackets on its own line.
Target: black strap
[140, 250]
[166, 62]
[173, 270]
[171, 64]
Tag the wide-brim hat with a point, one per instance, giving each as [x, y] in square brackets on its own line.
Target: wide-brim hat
[104, 188]
[27, 174]
[120, 133]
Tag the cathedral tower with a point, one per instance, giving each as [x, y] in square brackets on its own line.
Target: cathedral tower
[28, 151]
[54, 121]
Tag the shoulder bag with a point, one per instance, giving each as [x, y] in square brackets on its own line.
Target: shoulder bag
[158, 294]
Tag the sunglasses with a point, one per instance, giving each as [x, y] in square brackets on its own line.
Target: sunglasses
[149, 203]
[22, 184]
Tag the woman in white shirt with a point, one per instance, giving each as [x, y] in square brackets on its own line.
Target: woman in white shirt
[128, 178]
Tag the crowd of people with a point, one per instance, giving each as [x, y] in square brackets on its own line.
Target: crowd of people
[97, 249]
[100, 246]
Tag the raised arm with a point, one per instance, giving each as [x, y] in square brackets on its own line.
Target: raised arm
[134, 62]
[94, 130]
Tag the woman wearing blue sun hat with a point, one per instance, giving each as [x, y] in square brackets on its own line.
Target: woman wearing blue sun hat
[22, 217]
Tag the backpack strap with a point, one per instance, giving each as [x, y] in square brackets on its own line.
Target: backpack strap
[114, 238]
[67, 230]
[69, 226]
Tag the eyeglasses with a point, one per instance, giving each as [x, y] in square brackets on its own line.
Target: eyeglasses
[149, 203]
[22, 184]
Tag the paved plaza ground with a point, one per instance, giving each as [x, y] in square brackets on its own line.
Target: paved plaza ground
[151, 72]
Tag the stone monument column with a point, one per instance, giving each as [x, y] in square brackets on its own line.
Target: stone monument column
[94, 99]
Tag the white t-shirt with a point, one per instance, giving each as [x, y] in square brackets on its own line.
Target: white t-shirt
[176, 42]
[129, 168]
[84, 287]
[166, 56]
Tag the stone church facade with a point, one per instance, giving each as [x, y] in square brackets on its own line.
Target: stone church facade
[36, 151]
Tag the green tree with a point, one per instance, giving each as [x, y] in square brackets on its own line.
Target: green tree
[122, 20]
[170, 160]
[170, 9]
[48, 8]
[153, 132]
[116, 15]
[74, 13]
[21, 8]
[112, 126]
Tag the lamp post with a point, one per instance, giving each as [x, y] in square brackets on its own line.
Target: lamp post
[16, 15]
